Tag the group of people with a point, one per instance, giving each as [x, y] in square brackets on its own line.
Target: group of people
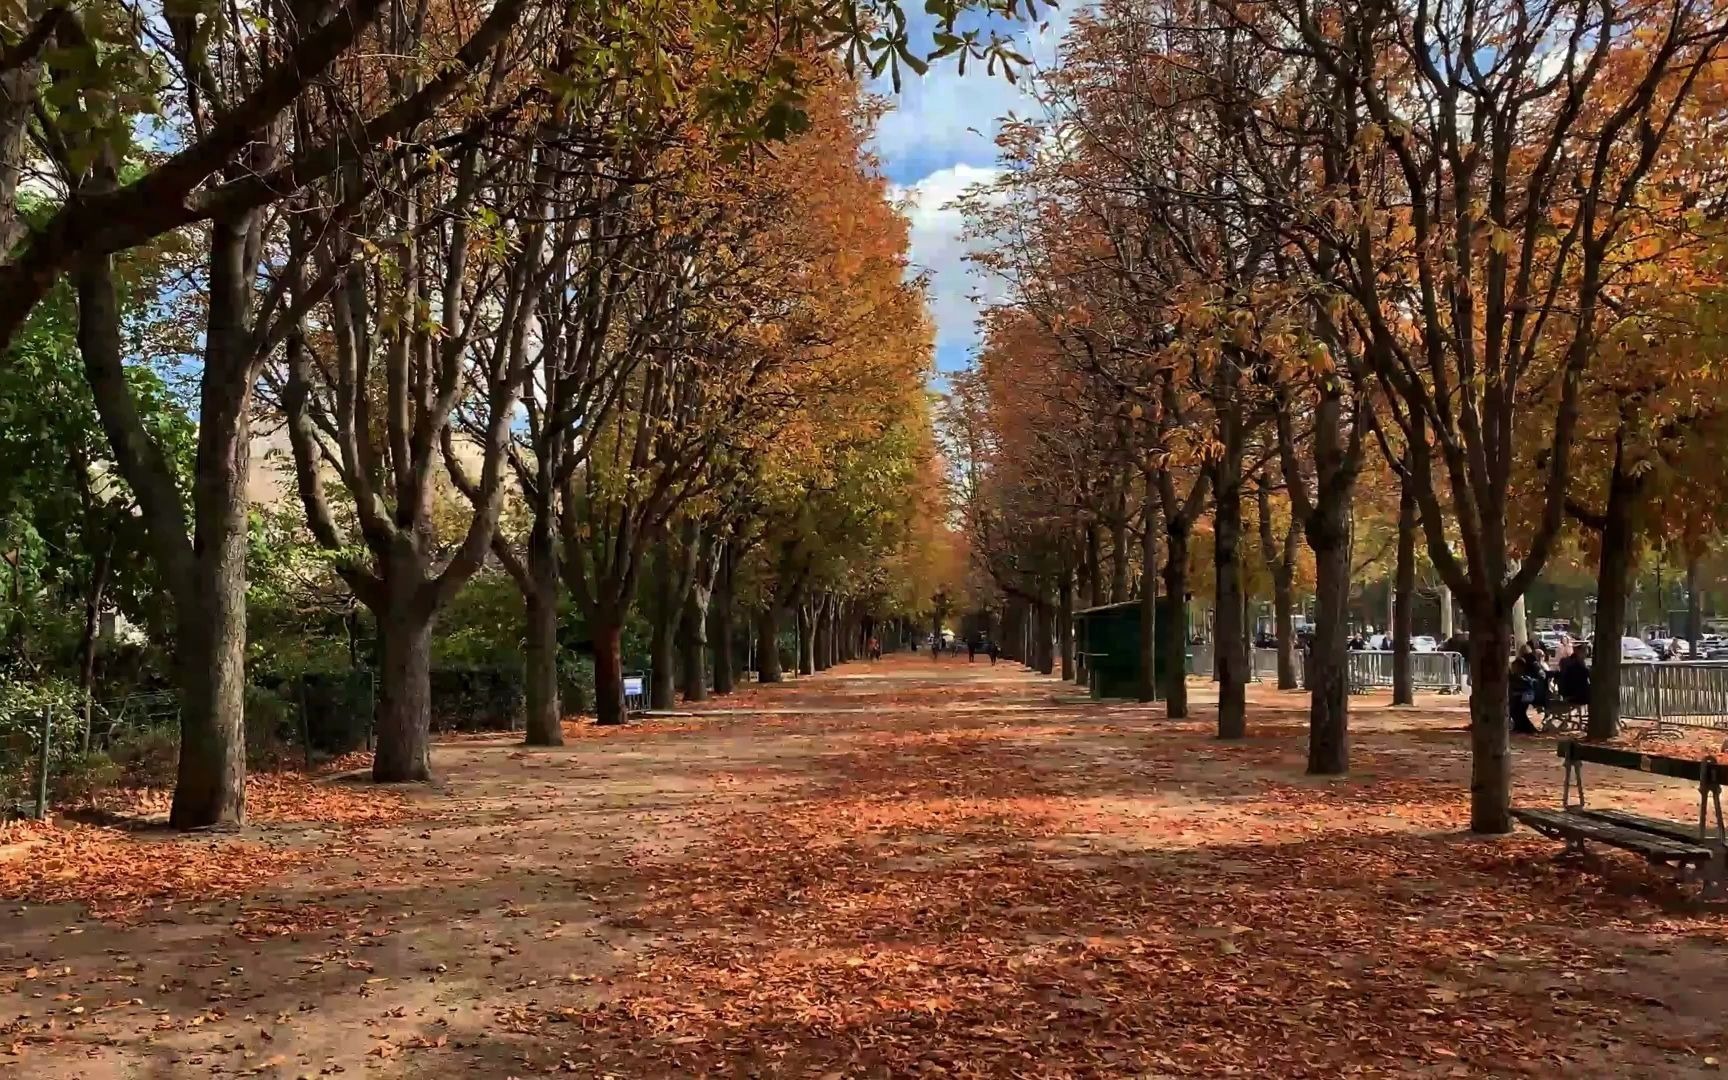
[1534, 682]
[974, 646]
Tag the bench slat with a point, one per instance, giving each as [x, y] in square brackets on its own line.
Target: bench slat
[1616, 757]
[1674, 830]
[1568, 824]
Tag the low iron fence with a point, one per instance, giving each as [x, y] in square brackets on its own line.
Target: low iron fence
[1438, 672]
[1263, 664]
[1371, 669]
[1680, 693]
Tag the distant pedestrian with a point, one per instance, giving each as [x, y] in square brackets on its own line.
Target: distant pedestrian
[995, 651]
[875, 648]
[971, 649]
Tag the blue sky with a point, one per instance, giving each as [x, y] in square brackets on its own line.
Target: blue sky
[937, 141]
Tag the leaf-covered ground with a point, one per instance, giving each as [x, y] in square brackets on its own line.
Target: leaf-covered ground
[896, 870]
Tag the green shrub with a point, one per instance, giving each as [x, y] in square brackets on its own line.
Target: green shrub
[575, 683]
[145, 756]
[338, 708]
[272, 728]
[82, 776]
[476, 699]
[21, 708]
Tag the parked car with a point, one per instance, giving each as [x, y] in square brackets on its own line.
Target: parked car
[1678, 649]
[1636, 650]
[1424, 643]
[1552, 641]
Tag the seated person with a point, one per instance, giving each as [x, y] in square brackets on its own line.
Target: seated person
[1573, 681]
[1527, 686]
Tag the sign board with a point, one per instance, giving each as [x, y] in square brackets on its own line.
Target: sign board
[633, 686]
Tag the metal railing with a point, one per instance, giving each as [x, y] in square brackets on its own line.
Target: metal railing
[1369, 669]
[1263, 664]
[1442, 672]
[1683, 693]
[1200, 660]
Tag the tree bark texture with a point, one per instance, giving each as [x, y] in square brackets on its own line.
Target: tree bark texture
[662, 630]
[608, 634]
[1228, 641]
[1328, 659]
[1490, 757]
[1149, 644]
[806, 638]
[1615, 567]
[768, 645]
[1065, 620]
[1119, 551]
[545, 721]
[1281, 566]
[1404, 599]
[1173, 643]
[723, 617]
[404, 723]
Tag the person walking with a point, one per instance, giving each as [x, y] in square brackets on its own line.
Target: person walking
[995, 650]
[971, 649]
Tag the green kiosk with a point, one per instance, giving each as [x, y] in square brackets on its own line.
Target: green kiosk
[1109, 637]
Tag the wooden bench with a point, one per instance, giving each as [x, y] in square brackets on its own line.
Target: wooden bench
[1699, 849]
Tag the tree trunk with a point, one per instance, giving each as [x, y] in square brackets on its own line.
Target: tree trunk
[1694, 608]
[210, 785]
[210, 789]
[768, 644]
[662, 631]
[1094, 568]
[1149, 644]
[1173, 642]
[1227, 639]
[404, 724]
[1328, 668]
[1490, 758]
[1044, 653]
[822, 632]
[545, 721]
[1119, 550]
[723, 615]
[608, 635]
[1614, 572]
[1404, 597]
[87, 641]
[806, 639]
[544, 726]
[206, 573]
[693, 646]
[1284, 610]
[1065, 626]
[838, 630]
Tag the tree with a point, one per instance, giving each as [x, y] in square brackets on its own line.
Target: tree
[1485, 162]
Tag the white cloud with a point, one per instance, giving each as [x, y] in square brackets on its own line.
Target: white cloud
[939, 249]
[938, 141]
[945, 117]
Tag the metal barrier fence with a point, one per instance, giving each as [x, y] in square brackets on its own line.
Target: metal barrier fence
[1263, 664]
[1678, 693]
[1684, 693]
[1200, 660]
[1442, 672]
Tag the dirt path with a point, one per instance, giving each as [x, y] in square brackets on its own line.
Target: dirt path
[906, 870]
